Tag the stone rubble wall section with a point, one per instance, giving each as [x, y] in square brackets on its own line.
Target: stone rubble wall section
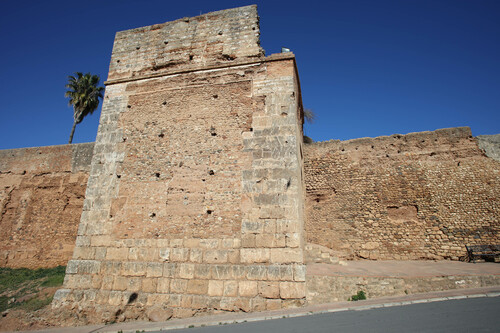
[41, 197]
[418, 196]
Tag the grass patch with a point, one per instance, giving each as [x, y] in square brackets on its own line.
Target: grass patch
[11, 278]
[35, 303]
[53, 281]
[27, 284]
[4, 301]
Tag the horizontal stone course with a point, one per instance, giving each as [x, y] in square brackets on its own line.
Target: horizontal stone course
[78, 268]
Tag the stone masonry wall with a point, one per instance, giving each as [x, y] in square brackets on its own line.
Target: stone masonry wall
[418, 196]
[41, 199]
[214, 39]
[194, 201]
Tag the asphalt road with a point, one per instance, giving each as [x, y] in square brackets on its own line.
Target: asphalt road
[465, 315]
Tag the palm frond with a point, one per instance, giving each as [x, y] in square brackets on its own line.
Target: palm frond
[84, 93]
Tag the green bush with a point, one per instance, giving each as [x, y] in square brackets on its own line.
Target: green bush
[359, 296]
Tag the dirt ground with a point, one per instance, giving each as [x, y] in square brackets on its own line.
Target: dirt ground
[22, 320]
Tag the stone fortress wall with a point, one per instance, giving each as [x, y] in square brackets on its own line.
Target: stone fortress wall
[42, 191]
[199, 184]
[41, 198]
[405, 197]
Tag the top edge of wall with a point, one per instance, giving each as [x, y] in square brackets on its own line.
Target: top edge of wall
[452, 132]
[216, 38]
[72, 145]
[191, 18]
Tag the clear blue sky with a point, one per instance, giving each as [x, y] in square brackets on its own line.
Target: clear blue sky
[367, 67]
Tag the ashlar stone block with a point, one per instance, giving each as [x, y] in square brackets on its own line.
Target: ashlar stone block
[255, 255]
[247, 288]
[197, 287]
[287, 255]
[215, 288]
[258, 304]
[179, 255]
[178, 286]
[270, 240]
[215, 256]
[120, 283]
[186, 271]
[289, 290]
[221, 272]
[149, 285]
[163, 285]
[117, 253]
[165, 254]
[269, 289]
[230, 288]
[273, 304]
[299, 273]
[196, 255]
[154, 269]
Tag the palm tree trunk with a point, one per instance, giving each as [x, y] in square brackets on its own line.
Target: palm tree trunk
[72, 132]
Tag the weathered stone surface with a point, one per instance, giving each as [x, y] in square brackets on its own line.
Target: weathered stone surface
[197, 154]
[247, 288]
[41, 199]
[212, 39]
[230, 288]
[194, 198]
[273, 304]
[163, 285]
[287, 255]
[490, 144]
[404, 197]
[197, 287]
[178, 286]
[292, 290]
[255, 255]
[322, 289]
[269, 289]
[215, 288]
[159, 313]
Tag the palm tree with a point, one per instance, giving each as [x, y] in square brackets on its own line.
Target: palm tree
[309, 115]
[83, 93]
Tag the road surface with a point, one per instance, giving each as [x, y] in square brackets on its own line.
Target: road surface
[464, 315]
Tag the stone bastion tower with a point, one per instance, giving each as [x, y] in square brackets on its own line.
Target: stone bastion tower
[194, 202]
